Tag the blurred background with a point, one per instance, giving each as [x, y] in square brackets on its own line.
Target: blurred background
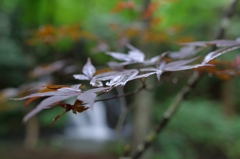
[45, 42]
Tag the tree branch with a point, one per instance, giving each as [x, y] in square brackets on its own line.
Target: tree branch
[151, 137]
[166, 117]
[122, 95]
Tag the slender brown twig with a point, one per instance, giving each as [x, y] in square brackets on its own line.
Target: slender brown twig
[122, 95]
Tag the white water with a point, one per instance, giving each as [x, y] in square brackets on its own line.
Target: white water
[90, 125]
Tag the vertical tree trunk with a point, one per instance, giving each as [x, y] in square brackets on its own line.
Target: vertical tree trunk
[31, 133]
[142, 116]
[228, 98]
[143, 100]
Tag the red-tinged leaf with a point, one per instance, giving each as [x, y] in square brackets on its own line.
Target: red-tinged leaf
[52, 88]
[148, 13]
[78, 107]
[123, 5]
[57, 118]
[55, 87]
[66, 106]
[103, 71]
[30, 100]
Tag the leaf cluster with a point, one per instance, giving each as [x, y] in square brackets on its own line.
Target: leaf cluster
[132, 66]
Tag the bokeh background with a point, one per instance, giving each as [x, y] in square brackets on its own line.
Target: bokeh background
[45, 42]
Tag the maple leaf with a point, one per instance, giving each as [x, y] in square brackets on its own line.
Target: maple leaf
[88, 71]
[133, 56]
[59, 95]
[214, 54]
[77, 107]
[115, 78]
[218, 43]
[179, 65]
[184, 52]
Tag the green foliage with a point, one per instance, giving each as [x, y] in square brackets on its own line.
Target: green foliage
[200, 129]
[11, 54]
[193, 16]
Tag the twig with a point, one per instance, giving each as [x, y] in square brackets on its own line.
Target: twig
[226, 19]
[122, 95]
[166, 117]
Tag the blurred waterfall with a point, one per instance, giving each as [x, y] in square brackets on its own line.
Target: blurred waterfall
[90, 125]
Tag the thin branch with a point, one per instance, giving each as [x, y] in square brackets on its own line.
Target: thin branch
[226, 19]
[122, 95]
[166, 117]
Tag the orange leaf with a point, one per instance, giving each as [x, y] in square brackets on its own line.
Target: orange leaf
[103, 71]
[48, 88]
[57, 118]
[30, 100]
[78, 107]
[123, 5]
